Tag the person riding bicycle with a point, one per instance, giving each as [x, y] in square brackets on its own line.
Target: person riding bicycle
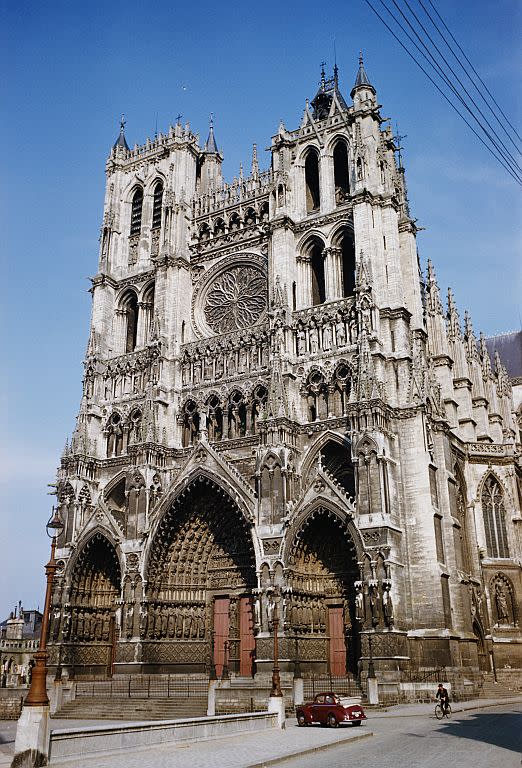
[443, 695]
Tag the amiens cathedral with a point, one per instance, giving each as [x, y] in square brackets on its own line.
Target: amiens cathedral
[282, 411]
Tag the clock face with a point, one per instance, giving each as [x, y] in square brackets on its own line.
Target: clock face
[233, 297]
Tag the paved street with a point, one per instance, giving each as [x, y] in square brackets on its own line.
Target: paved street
[477, 738]
[403, 736]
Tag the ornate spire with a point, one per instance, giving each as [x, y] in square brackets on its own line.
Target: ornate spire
[210, 144]
[362, 80]
[484, 357]
[121, 140]
[469, 337]
[454, 330]
[255, 164]
[434, 301]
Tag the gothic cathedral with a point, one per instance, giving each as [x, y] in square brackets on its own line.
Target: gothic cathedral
[279, 414]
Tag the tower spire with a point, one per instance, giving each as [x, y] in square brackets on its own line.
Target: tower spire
[210, 144]
[362, 80]
[255, 164]
[121, 140]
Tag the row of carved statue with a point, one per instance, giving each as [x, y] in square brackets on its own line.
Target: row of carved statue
[206, 364]
[171, 620]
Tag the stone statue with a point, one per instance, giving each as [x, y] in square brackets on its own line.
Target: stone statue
[359, 604]
[314, 340]
[340, 332]
[501, 605]
[301, 341]
[387, 606]
[327, 337]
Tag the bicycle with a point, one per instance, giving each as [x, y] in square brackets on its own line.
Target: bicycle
[440, 712]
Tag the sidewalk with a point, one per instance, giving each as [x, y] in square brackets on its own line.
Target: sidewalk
[256, 750]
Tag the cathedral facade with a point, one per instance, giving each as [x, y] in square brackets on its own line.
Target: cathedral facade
[279, 414]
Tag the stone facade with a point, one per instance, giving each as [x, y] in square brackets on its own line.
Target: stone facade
[280, 415]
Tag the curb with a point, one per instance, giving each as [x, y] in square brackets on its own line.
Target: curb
[309, 751]
[454, 708]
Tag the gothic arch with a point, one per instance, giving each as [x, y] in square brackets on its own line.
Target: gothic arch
[179, 488]
[309, 511]
[95, 589]
[492, 495]
[318, 445]
[321, 572]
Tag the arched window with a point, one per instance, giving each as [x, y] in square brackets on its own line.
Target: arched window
[318, 279]
[313, 197]
[114, 436]
[494, 519]
[136, 211]
[130, 306]
[341, 180]
[215, 419]
[156, 206]
[190, 423]
[346, 242]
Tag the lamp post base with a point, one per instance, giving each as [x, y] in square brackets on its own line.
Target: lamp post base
[373, 690]
[32, 738]
[277, 704]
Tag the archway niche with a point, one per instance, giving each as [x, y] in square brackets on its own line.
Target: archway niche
[89, 625]
[313, 196]
[322, 569]
[201, 576]
[336, 458]
[313, 252]
[345, 241]
[341, 178]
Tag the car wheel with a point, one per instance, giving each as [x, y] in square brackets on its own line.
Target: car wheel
[301, 719]
[332, 721]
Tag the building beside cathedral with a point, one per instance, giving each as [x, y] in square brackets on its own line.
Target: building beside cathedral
[280, 413]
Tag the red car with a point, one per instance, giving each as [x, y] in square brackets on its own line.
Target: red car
[330, 709]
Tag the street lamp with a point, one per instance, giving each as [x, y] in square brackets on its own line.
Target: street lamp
[276, 679]
[37, 696]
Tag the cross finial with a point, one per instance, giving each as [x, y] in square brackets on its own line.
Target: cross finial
[323, 76]
[123, 123]
[211, 119]
[178, 118]
[360, 58]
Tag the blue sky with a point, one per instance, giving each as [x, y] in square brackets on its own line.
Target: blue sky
[69, 71]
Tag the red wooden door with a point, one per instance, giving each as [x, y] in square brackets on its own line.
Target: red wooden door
[247, 643]
[221, 625]
[337, 650]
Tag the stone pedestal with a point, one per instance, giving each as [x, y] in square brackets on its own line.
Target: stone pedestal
[211, 701]
[373, 690]
[298, 691]
[277, 704]
[32, 737]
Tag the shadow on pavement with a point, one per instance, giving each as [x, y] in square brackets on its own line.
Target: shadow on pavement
[502, 730]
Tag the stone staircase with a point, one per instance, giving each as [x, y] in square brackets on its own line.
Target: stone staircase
[115, 708]
[492, 690]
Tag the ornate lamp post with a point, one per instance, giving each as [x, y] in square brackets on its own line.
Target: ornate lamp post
[276, 679]
[37, 695]
[32, 732]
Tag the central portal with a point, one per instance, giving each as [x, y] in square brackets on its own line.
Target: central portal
[200, 579]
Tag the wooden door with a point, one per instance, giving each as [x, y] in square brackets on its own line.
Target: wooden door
[221, 628]
[247, 643]
[337, 650]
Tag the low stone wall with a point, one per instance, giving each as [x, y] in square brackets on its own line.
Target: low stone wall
[69, 743]
[11, 707]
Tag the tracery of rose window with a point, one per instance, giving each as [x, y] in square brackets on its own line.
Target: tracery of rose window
[237, 299]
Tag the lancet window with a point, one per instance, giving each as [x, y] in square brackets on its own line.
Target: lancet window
[157, 204]
[190, 423]
[494, 514]
[136, 211]
[130, 308]
[114, 436]
[135, 427]
[313, 195]
[341, 178]
[316, 396]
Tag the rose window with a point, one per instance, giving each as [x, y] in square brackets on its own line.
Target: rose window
[236, 299]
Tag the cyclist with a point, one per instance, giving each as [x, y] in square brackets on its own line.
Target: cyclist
[443, 695]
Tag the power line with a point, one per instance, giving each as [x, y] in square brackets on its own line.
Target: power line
[452, 105]
[474, 70]
[500, 146]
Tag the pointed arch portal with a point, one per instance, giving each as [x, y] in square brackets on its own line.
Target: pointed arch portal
[321, 612]
[201, 576]
[88, 628]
